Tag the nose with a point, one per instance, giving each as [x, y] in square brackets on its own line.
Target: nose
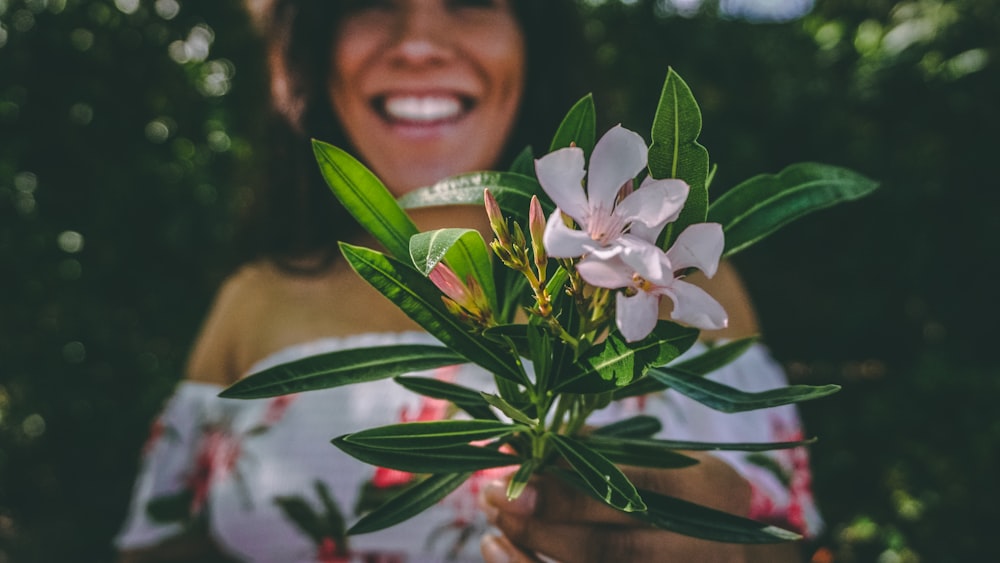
[421, 36]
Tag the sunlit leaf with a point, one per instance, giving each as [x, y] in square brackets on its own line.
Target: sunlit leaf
[452, 459]
[506, 408]
[366, 198]
[416, 296]
[604, 479]
[343, 367]
[409, 503]
[431, 434]
[728, 399]
[520, 478]
[676, 153]
[615, 362]
[512, 191]
[465, 251]
[702, 364]
[759, 206]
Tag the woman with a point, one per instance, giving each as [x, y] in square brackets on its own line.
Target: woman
[419, 90]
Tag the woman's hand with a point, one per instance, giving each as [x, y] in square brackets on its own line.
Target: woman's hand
[553, 520]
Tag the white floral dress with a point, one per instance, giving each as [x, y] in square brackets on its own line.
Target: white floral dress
[263, 479]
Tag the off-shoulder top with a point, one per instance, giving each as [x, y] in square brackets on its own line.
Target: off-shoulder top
[263, 480]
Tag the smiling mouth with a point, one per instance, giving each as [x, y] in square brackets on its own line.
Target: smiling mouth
[422, 110]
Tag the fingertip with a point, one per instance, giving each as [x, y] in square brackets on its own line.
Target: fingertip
[494, 550]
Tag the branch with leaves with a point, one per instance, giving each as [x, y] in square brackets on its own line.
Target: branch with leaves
[588, 239]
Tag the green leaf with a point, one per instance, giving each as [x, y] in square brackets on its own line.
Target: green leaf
[524, 162]
[703, 364]
[641, 453]
[512, 191]
[697, 521]
[578, 127]
[366, 198]
[465, 252]
[676, 153]
[639, 426]
[431, 434]
[296, 510]
[450, 459]
[416, 296]
[520, 478]
[508, 409]
[515, 335]
[604, 479]
[409, 503]
[343, 367]
[761, 205]
[618, 362]
[723, 398]
[599, 441]
[464, 398]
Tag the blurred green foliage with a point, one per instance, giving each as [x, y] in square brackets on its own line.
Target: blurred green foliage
[127, 130]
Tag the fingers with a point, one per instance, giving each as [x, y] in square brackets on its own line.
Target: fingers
[498, 549]
[548, 498]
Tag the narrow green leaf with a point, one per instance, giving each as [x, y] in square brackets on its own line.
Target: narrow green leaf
[452, 459]
[606, 481]
[703, 364]
[512, 191]
[431, 434]
[640, 426]
[365, 198]
[416, 296]
[508, 409]
[599, 441]
[524, 162]
[763, 204]
[343, 367]
[465, 252]
[697, 521]
[464, 398]
[514, 334]
[676, 153]
[409, 503]
[332, 515]
[617, 362]
[640, 453]
[578, 127]
[296, 510]
[520, 478]
[723, 398]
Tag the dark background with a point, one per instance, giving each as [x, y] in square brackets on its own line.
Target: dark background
[127, 135]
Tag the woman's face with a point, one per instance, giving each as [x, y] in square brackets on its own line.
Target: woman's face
[427, 88]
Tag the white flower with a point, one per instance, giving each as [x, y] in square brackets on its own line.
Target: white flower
[699, 246]
[618, 157]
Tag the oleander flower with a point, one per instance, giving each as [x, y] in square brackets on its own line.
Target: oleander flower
[637, 307]
[609, 213]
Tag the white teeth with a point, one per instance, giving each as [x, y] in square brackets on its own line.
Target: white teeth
[412, 108]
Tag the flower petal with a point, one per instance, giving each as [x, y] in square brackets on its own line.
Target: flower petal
[561, 175]
[644, 257]
[561, 241]
[694, 306]
[699, 246]
[636, 316]
[610, 274]
[618, 157]
[653, 205]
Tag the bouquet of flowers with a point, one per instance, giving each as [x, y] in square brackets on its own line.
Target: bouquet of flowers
[588, 240]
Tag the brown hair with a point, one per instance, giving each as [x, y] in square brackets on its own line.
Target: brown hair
[294, 215]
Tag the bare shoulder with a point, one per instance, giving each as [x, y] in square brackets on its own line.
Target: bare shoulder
[215, 357]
